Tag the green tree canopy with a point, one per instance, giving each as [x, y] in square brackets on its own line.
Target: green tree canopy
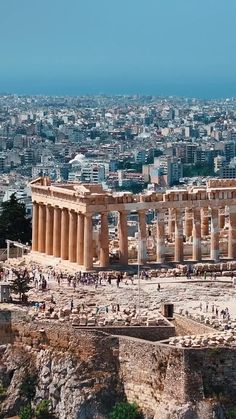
[14, 225]
[20, 284]
[198, 169]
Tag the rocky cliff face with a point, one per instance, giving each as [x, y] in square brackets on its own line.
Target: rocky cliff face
[84, 373]
[76, 388]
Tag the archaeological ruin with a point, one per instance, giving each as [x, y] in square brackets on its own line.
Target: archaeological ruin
[189, 224]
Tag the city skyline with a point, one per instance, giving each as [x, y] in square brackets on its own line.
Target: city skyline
[181, 49]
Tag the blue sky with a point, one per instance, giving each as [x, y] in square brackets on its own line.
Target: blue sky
[118, 46]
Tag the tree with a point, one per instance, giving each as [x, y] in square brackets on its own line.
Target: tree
[20, 284]
[198, 169]
[14, 225]
[125, 410]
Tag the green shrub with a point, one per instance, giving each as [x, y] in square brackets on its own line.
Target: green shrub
[28, 387]
[26, 412]
[232, 413]
[125, 410]
[2, 391]
[42, 410]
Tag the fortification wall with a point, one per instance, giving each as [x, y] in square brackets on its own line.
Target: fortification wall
[150, 373]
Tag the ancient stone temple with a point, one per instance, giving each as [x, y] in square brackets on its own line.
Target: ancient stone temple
[63, 220]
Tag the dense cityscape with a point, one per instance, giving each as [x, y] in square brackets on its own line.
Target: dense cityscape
[128, 143]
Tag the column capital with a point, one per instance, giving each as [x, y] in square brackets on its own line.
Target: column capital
[123, 211]
[160, 213]
[50, 206]
[72, 211]
[88, 214]
[178, 211]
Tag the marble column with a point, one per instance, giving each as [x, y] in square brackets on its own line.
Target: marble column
[232, 232]
[72, 236]
[88, 242]
[222, 218]
[215, 235]
[80, 239]
[49, 230]
[171, 221]
[35, 226]
[204, 222]
[104, 241]
[179, 250]
[123, 237]
[57, 232]
[160, 238]
[64, 234]
[197, 250]
[142, 240]
[188, 223]
[42, 229]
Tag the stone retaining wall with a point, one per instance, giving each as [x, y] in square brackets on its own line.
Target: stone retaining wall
[149, 373]
[186, 326]
[149, 333]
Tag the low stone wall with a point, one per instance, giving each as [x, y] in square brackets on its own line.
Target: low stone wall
[14, 324]
[149, 333]
[185, 326]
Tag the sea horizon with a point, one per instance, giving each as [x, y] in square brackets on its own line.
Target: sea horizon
[195, 90]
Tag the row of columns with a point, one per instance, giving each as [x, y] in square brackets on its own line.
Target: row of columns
[68, 235]
[196, 225]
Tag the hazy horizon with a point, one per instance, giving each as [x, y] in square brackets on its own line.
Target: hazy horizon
[192, 90]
